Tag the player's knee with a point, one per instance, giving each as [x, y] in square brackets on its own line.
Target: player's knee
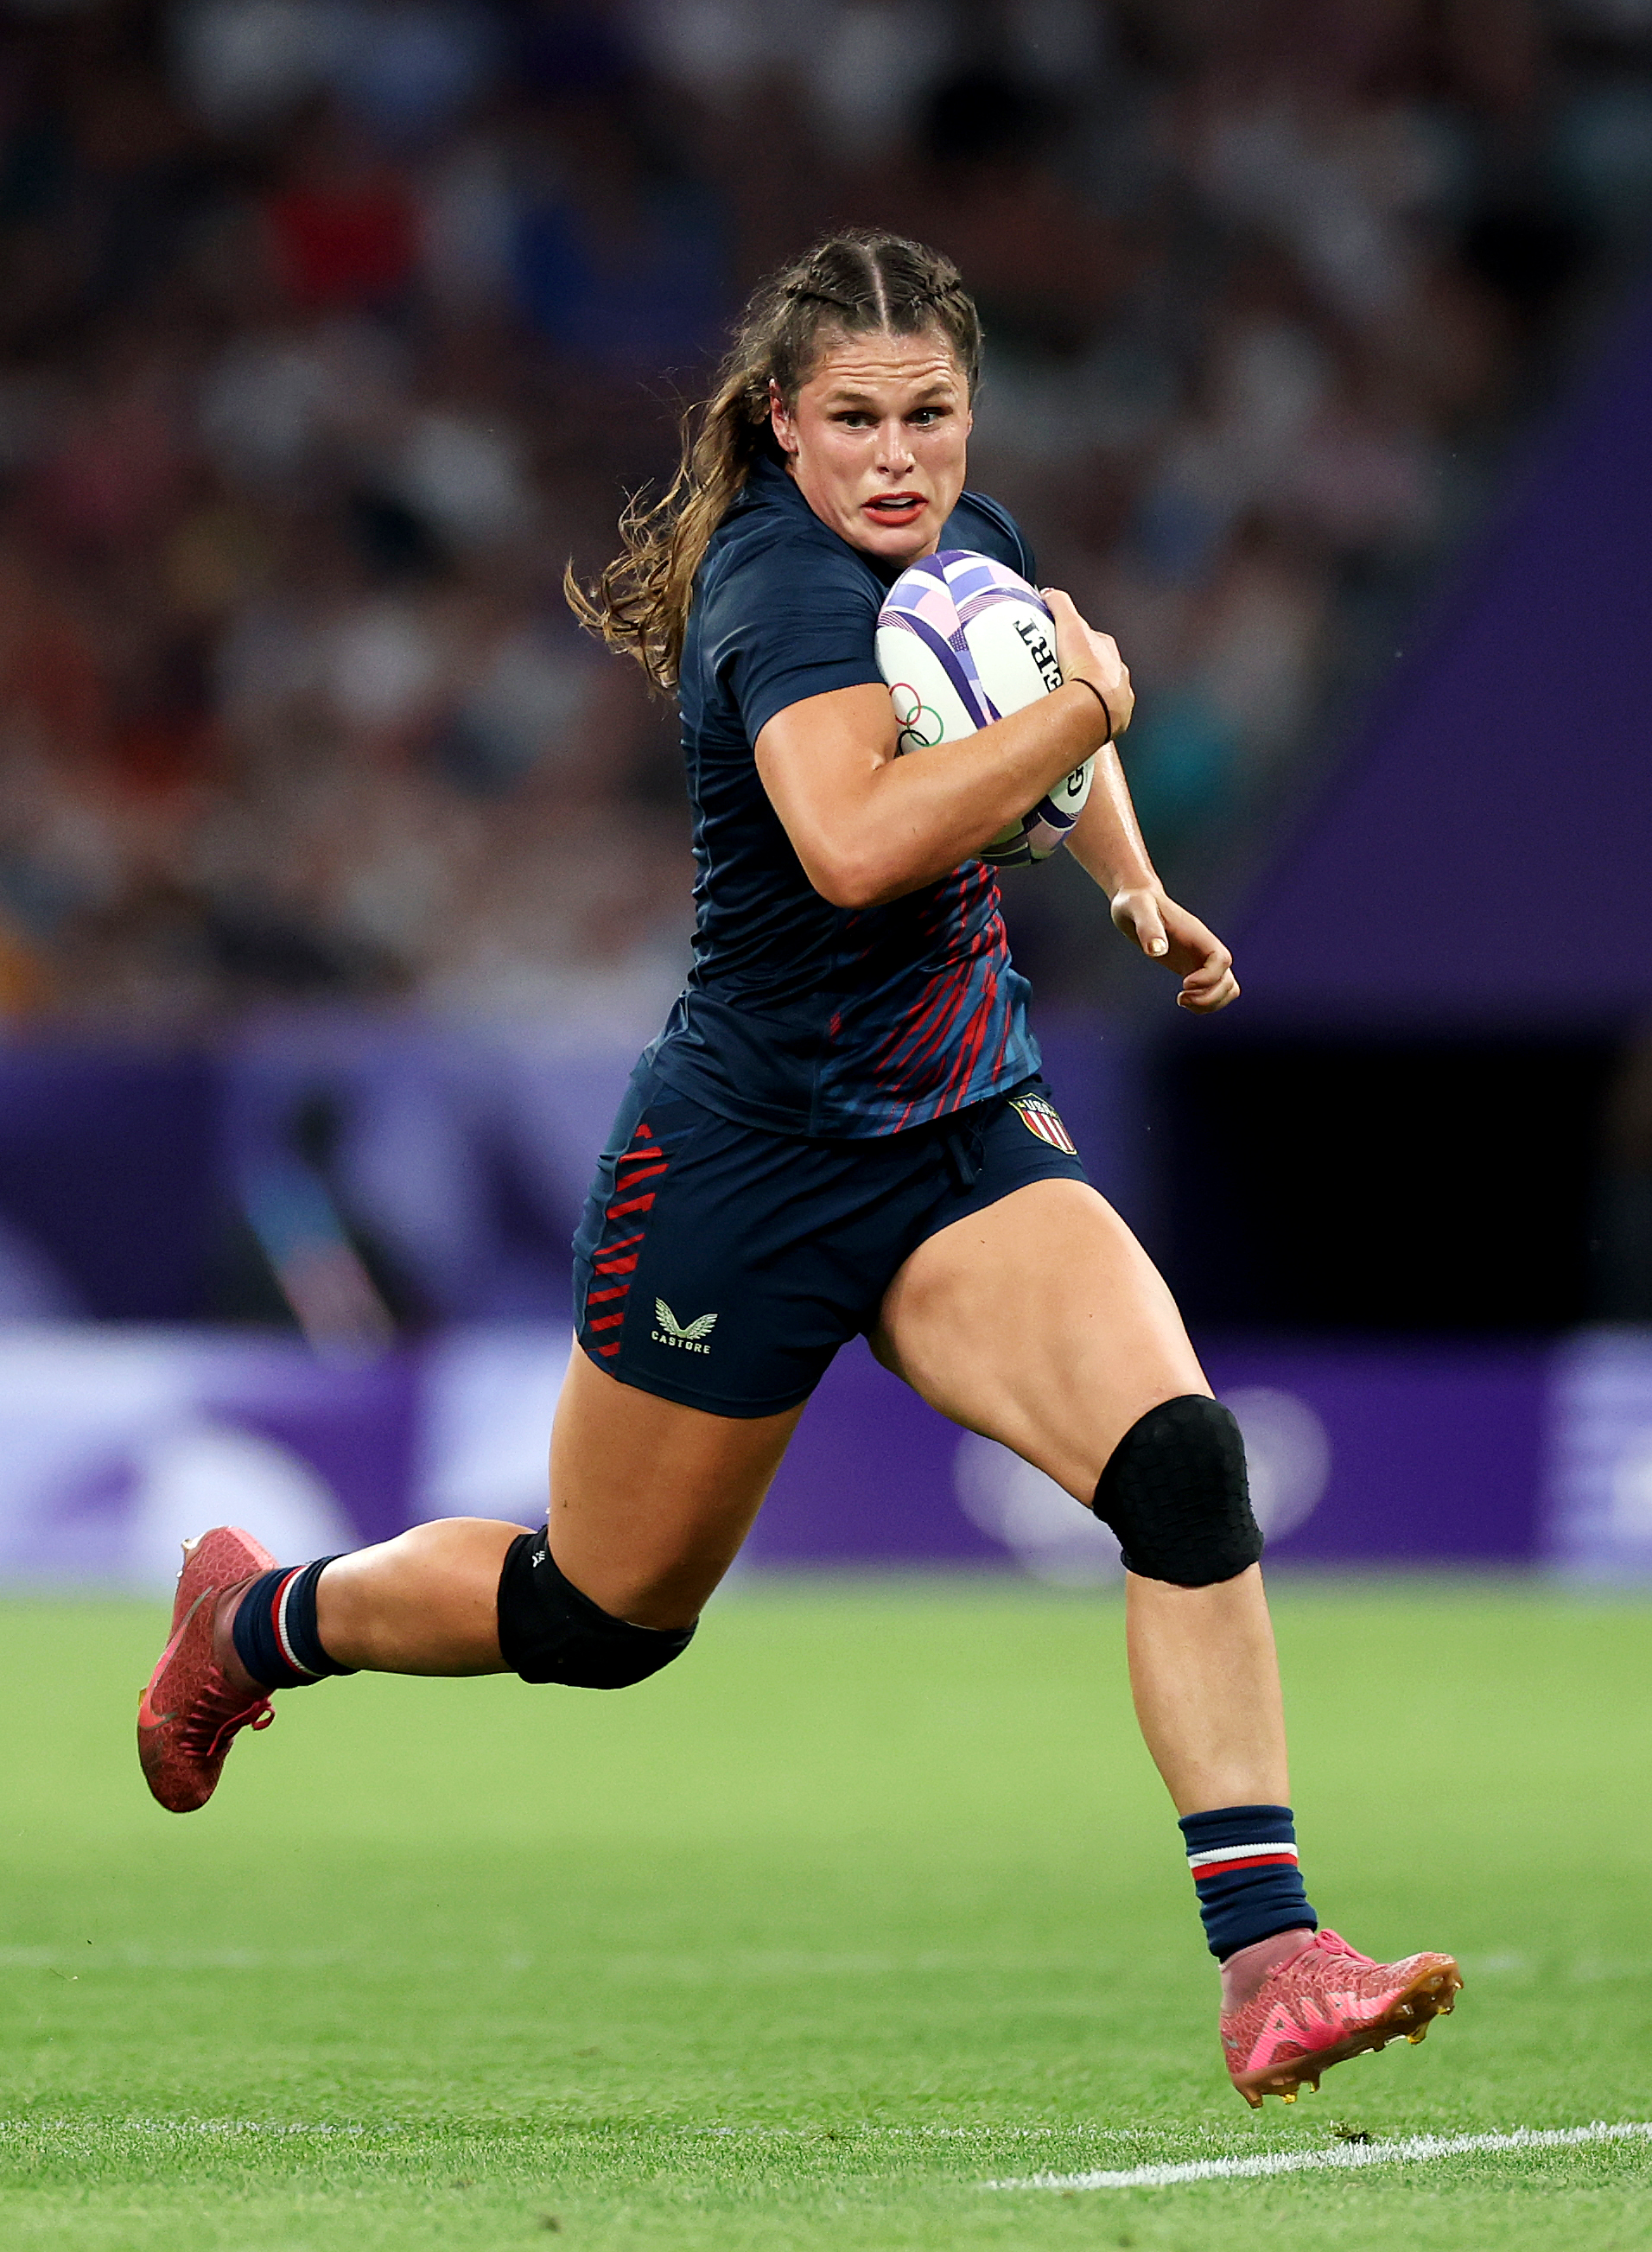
[1175, 1493]
[548, 1631]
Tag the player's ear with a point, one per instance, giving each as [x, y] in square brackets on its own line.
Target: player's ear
[780, 420]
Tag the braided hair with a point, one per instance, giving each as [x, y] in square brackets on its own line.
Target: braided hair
[854, 283]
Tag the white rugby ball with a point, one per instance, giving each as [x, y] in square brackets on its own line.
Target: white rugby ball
[963, 641]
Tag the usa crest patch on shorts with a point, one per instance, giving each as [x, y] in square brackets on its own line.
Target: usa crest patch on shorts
[1041, 1117]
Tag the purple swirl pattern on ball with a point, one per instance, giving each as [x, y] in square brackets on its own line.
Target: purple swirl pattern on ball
[936, 599]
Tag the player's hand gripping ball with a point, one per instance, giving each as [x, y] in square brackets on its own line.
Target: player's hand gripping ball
[963, 641]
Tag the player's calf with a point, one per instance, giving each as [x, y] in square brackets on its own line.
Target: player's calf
[244, 1627]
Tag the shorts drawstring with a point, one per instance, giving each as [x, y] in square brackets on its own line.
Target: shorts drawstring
[965, 1149]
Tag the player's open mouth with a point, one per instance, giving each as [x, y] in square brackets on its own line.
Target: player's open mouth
[895, 508]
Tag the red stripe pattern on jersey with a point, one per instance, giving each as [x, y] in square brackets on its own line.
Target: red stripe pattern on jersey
[962, 1020]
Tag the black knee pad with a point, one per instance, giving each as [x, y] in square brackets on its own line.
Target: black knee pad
[548, 1631]
[1175, 1493]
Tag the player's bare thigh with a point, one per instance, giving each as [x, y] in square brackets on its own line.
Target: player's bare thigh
[650, 1499]
[1042, 1323]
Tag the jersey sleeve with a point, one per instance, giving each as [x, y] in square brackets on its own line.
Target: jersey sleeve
[790, 621]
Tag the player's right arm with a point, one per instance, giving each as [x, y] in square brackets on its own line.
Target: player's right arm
[869, 826]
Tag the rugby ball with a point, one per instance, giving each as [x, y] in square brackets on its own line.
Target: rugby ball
[963, 641]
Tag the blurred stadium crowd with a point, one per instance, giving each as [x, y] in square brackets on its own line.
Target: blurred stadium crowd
[329, 329]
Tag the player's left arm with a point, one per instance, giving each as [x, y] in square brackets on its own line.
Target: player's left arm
[1106, 842]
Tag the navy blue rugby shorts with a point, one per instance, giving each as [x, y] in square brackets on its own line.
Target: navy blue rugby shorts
[723, 1266]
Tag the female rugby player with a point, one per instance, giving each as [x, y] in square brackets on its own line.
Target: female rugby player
[843, 1129]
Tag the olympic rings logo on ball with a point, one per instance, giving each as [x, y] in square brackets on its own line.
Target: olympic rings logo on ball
[910, 712]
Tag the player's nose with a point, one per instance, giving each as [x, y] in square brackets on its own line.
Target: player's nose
[894, 451]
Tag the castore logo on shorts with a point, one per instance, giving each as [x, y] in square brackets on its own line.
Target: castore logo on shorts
[687, 1337]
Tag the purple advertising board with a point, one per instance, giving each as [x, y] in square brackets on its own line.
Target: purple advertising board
[1503, 768]
[115, 1444]
[133, 1180]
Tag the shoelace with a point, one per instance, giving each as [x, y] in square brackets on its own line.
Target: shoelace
[1332, 1942]
[217, 1711]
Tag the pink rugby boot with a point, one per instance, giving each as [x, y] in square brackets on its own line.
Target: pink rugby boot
[199, 1694]
[1326, 2003]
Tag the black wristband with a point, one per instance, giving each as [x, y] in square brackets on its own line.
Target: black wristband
[1079, 681]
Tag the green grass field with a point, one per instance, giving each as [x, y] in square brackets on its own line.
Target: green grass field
[871, 1901]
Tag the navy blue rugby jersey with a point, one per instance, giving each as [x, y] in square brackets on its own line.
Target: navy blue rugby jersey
[798, 1016]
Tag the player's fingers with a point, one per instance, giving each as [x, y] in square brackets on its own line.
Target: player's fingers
[1211, 972]
[1205, 1004]
[1072, 627]
[1214, 962]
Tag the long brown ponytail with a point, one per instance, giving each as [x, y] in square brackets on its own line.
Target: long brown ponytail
[855, 282]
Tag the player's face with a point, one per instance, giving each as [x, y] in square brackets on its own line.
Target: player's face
[876, 440]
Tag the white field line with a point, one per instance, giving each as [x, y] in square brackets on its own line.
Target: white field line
[1408, 2151]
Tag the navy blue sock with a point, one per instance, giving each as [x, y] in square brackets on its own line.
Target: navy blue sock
[1244, 1864]
[274, 1628]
